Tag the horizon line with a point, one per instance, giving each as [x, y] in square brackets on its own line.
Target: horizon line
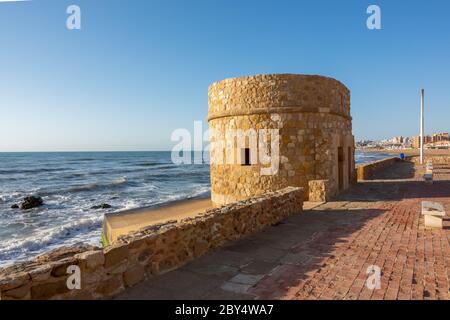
[85, 151]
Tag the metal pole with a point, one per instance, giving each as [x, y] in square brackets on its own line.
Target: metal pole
[422, 105]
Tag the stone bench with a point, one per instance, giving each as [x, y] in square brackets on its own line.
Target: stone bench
[433, 213]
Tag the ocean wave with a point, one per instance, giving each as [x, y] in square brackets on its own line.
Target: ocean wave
[6, 197]
[86, 187]
[159, 166]
[177, 174]
[120, 171]
[85, 229]
[14, 249]
[197, 192]
[71, 184]
[76, 175]
[82, 160]
[363, 157]
[162, 198]
[146, 164]
[200, 192]
[37, 170]
[96, 186]
[131, 204]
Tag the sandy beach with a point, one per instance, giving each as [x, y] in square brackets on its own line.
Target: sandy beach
[120, 223]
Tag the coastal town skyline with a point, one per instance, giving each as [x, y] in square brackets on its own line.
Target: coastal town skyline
[438, 140]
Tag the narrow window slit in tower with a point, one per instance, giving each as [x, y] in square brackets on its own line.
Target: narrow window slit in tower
[341, 168]
[246, 157]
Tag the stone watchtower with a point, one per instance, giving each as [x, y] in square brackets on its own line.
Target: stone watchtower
[301, 122]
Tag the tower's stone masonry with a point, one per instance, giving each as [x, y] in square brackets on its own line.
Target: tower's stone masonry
[312, 115]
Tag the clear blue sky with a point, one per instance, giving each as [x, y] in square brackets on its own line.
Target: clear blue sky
[139, 69]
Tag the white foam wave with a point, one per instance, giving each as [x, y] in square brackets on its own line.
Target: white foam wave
[6, 197]
[194, 193]
[42, 240]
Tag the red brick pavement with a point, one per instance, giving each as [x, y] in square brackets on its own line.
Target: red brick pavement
[414, 261]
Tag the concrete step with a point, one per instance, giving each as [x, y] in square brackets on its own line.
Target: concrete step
[433, 213]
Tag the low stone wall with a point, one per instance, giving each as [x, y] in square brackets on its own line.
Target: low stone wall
[367, 170]
[146, 253]
[440, 159]
[435, 159]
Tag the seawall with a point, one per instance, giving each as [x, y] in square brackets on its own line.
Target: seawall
[367, 170]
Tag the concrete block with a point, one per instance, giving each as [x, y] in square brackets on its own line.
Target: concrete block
[433, 222]
[433, 214]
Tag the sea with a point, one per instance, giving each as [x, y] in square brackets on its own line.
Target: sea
[71, 183]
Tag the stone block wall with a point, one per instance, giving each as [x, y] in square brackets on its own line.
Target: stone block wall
[435, 158]
[367, 170]
[438, 159]
[146, 253]
[312, 116]
[320, 191]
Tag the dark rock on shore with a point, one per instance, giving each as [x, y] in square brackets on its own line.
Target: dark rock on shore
[14, 206]
[102, 206]
[31, 202]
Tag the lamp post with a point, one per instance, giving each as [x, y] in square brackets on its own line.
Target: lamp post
[422, 104]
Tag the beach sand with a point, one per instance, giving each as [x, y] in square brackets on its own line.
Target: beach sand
[124, 222]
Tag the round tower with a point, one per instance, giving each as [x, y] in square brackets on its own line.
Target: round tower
[272, 131]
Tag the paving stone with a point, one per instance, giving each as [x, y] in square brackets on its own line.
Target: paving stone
[296, 258]
[215, 269]
[259, 267]
[248, 279]
[236, 287]
[220, 294]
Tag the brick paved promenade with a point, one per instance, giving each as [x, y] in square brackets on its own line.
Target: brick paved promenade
[324, 252]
